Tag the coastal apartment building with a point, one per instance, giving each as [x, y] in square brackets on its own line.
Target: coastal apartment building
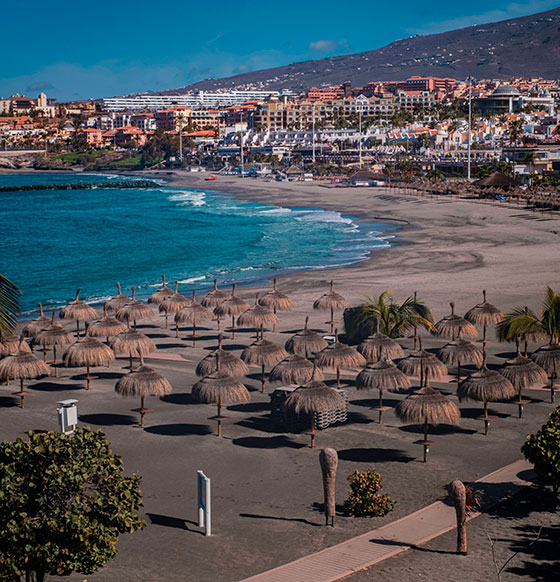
[174, 119]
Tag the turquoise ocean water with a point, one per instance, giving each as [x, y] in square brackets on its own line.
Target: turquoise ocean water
[54, 241]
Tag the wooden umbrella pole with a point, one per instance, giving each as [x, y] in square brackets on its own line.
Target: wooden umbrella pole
[87, 377]
[130, 356]
[552, 387]
[142, 411]
[380, 405]
[263, 378]
[458, 374]
[312, 431]
[166, 320]
[55, 362]
[338, 376]
[486, 420]
[425, 444]
[232, 326]
[45, 355]
[332, 320]
[484, 341]
[78, 328]
[194, 334]
[219, 419]
[176, 329]
[21, 393]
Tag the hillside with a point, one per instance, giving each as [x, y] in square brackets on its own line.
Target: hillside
[527, 46]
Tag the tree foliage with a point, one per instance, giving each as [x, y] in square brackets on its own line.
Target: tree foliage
[364, 498]
[542, 449]
[63, 502]
[9, 305]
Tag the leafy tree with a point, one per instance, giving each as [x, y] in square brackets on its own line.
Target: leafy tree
[393, 319]
[63, 502]
[364, 498]
[9, 305]
[542, 449]
[487, 169]
[514, 132]
[389, 170]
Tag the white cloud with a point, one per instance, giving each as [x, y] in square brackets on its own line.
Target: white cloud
[323, 46]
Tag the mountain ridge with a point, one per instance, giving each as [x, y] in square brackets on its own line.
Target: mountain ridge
[523, 46]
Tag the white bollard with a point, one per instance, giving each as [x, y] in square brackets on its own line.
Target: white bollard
[204, 503]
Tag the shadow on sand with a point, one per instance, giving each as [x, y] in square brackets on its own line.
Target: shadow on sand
[108, 419]
[374, 456]
[275, 442]
[179, 429]
[296, 519]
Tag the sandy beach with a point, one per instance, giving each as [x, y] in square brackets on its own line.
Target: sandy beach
[267, 485]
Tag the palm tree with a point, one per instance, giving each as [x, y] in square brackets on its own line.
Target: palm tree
[390, 318]
[523, 324]
[9, 305]
[514, 132]
[389, 170]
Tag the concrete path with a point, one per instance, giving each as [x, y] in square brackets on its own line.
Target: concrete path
[417, 528]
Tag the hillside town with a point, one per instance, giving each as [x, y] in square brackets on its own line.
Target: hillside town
[420, 125]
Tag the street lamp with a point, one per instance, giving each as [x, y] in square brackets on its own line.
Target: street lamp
[469, 132]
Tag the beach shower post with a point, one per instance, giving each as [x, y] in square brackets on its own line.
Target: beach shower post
[204, 503]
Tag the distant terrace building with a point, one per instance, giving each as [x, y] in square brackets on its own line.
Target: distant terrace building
[504, 99]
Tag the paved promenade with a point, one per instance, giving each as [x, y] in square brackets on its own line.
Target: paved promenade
[416, 528]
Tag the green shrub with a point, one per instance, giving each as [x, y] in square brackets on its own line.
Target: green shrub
[364, 498]
[542, 449]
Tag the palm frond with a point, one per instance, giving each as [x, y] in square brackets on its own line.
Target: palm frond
[9, 305]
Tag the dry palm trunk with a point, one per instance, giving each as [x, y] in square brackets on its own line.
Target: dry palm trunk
[458, 495]
[328, 459]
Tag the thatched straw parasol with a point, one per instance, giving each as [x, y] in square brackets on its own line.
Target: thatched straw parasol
[427, 406]
[485, 386]
[380, 375]
[453, 326]
[143, 382]
[276, 300]
[423, 364]
[50, 338]
[548, 358]
[257, 316]
[332, 301]
[33, 327]
[229, 363]
[79, 311]
[118, 301]
[193, 313]
[134, 310]
[173, 304]
[294, 370]
[21, 366]
[220, 388]
[88, 352]
[232, 306]
[215, 297]
[484, 314]
[132, 343]
[460, 352]
[306, 342]
[379, 346]
[11, 344]
[336, 355]
[314, 397]
[162, 293]
[106, 326]
[522, 372]
[263, 353]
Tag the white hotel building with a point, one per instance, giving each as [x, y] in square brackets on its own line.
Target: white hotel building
[198, 99]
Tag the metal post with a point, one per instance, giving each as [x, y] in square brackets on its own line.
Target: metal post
[313, 131]
[204, 503]
[181, 140]
[469, 132]
[360, 135]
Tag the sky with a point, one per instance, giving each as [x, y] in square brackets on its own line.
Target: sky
[79, 50]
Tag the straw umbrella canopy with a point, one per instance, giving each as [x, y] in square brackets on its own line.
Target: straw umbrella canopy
[314, 397]
[173, 304]
[427, 406]
[134, 310]
[55, 335]
[143, 382]
[232, 306]
[220, 388]
[257, 316]
[548, 358]
[522, 372]
[294, 370]
[22, 366]
[132, 343]
[263, 353]
[106, 326]
[379, 346]
[380, 375]
[229, 363]
[460, 352]
[215, 297]
[453, 326]
[332, 301]
[306, 342]
[336, 355]
[485, 386]
[162, 293]
[118, 301]
[423, 364]
[88, 352]
[484, 314]
[11, 344]
[276, 300]
[193, 313]
[33, 327]
[79, 311]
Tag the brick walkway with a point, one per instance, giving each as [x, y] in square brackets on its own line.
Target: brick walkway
[417, 528]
